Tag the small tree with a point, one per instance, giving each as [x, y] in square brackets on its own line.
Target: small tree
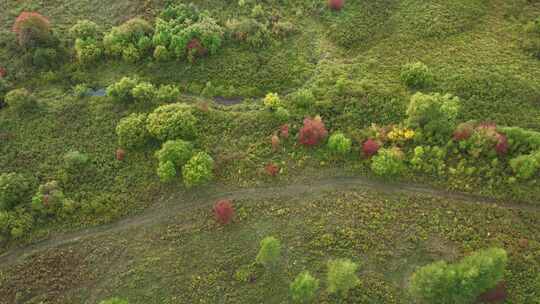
[313, 132]
[269, 253]
[339, 143]
[32, 29]
[132, 132]
[304, 288]
[342, 276]
[223, 211]
[198, 170]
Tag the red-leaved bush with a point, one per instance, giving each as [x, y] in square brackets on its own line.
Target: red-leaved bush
[3, 72]
[313, 132]
[502, 144]
[284, 131]
[463, 131]
[336, 4]
[223, 211]
[370, 147]
[120, 154]
[271, 169]
[32, 29]
[195, 47]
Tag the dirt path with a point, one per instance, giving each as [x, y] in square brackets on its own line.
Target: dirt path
[164, 211]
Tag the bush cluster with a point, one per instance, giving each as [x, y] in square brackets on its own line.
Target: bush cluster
[129, 89]
[172, 157]
[50, 200]
[173, 121]
[88, 45]
[130, 41]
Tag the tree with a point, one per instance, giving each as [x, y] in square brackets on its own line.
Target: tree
[269, 253]
[198, 170]
[172, 121]
[32, 30]
[132, 132]
[342, 276]
[304, 288]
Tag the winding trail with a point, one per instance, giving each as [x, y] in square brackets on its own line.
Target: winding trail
[164, 211]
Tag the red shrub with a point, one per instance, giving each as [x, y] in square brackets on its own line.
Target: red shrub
[195, 47]
[313, 132]
[223, 211]
[336, 4]
[502, 144]
[496, 295]
[32, 28]
[275, 142]
[120, 154]
[463, 131]
[284, 131]
[370, 147]
[3, 72]
[271, 169]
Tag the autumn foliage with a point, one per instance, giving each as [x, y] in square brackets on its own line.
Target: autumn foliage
[271, 169]
[313, 132]
[370, 147]
[336, 4]
[120, 154]
[223, 211]
[32, 29]
[3, 72]
[284, 131]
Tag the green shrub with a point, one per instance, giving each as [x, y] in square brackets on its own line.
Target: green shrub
[282, 114]
[272, 101]
[269, 253]
[85, 29]
[342, 276]
[14, 190]
[75, 162]
[183, 28]
[249, 30]
[304, 288]
[388, 163]
[416, 75]
[122, 41]
[173, 121]
[166, 171]
[199, 170]
[15, 223]
[462, 282]
[526, 166]
[88, 50]
[429, 160]
[144, 92]
[338, 143]
[178, 152]
[303, 98]
[50, 200]
[121, 91]
[132, 132]
[161, 53]
[21, 101]
[434, 114]
[44, 57]
[168, 93]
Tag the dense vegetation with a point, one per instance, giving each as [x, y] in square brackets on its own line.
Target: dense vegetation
[104, 112]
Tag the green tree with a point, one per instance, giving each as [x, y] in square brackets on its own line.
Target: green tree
[198, 170]
[304, 288]
[338, 143]
[269, 252]
[342, 276]
[132, 132]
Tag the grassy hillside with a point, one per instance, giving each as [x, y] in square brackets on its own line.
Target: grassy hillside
[358, 72]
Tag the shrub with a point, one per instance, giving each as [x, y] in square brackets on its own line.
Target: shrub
[435, 114]
[173, 121]
[186, 32]
[168, 93]
[144, 92]
[50, 200]
[342, 276]
[303, 98]
[388, 162]
[370, 147]
[249, 30]
[85, 29]
[304, 288]
[127, 40]
[269, 253]
[14, 190]
[32, 30]
[462, 282]
[15, 223]
[20, 100]
[166, 171]
[178, 152]
[88, 50]
[336, 5]
[429, 160]
[416, 75]
[339, 143]
[75, 161]
[198, 170]
[132, 132]
[463, 131]
[121, 91]
[223, 211]
[313, 132]
[272, 101]
[271, 169]
[161, 53]
[526, 166]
